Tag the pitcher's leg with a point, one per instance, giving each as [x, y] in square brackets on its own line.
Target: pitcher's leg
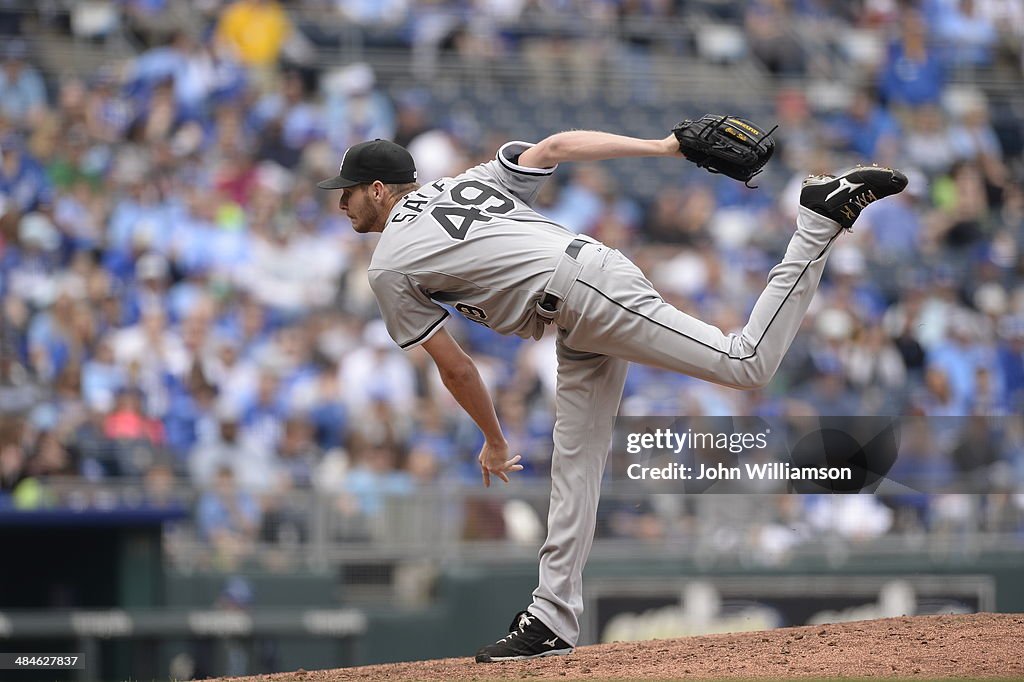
[615, 310]
[587, 400]
[757, 351]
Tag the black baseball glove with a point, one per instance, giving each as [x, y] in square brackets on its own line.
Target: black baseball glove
[726, 144]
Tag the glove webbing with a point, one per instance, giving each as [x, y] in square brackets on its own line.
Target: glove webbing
[719, 145]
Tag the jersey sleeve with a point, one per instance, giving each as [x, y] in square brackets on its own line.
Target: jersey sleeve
[522, 181]
[409, 315]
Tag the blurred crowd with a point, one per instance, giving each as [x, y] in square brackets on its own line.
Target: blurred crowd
[179, 303]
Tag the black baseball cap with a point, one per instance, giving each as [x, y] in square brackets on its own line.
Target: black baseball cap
[374, 160]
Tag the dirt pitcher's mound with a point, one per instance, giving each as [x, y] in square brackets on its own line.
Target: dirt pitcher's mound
[976, 645]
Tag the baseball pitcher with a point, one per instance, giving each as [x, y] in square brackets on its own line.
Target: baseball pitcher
[474, 243]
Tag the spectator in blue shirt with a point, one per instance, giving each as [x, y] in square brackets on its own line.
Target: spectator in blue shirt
[960, 356]
[228, 518]
[865, 125]
[23, 181]
[966, 35]
[913, 74]
[190, 400]
[355, 109]
[140, 220]
[319, 396]
[374, 479]
[896, 227]
[263, 417]
[1010, 356]
[299, 119]
[102, 377]
[22, 92]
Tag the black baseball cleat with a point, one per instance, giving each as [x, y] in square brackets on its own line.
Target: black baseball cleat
[527, 638]
[841, 198]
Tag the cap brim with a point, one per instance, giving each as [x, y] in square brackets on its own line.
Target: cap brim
[337, 182]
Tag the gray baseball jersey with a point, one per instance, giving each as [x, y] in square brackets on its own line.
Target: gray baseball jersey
[472, 242]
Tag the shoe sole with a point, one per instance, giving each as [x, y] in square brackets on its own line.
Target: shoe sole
[501, 659]
[894, 173]
[815, 180]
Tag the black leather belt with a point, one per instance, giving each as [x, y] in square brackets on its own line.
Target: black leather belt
[550, 301]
